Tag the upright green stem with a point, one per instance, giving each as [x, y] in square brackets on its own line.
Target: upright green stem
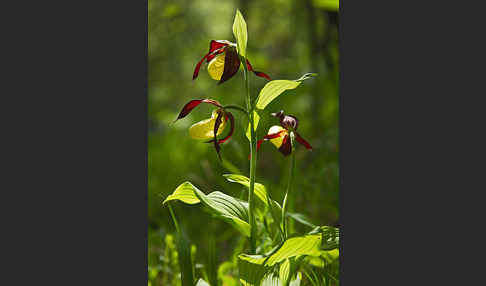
[174, 218]
[289, 186]
[253, 160]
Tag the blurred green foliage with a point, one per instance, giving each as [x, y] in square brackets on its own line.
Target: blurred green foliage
[285, 40]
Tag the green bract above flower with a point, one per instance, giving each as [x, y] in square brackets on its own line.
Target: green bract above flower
[223, 62]
[212, 127]
[279, 136]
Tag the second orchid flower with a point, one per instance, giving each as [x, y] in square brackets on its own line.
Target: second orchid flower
[210, 128]
[279, 135]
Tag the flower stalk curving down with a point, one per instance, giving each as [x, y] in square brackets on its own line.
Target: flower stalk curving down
[253, 161]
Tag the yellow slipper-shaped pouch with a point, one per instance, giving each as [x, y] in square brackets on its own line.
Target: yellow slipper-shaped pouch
[204, 130]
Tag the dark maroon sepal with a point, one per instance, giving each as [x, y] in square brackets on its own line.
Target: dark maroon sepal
[257, 73]
[268, 137]
[216, 45]
[192, 104]
[216, 48]
[302, 141]
[198, 66]
[286, 147]
[231, 64]
[262, 74]
[229, 117]
[232, 128]
[219, 119]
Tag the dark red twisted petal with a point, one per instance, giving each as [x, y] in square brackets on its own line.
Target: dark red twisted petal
[257, 73]
[286, 147]
[261, 74]
[232, 121]
[268, 137]
[216, 128]
[214, 54]
[250, 68]
[198, 66]
[215, 48]
[302, 141]
[231, 65]
[230, 117]
[214, 45]
[192, 104]
[265, 138]
[259, 144]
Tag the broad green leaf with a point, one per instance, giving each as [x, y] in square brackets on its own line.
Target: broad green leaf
[241, 225]
[287, 270]
[260, 190]
[326, 257]
[276, 87]
[330, 255]
[296, 281]
[301, 218]
[273, 89]
[256, 119]
[330, 236]
[261, 194]
[284, 272]
[226, 207]
[272, 280]
[240, 32]
[254, 267]
[201, 282]
[300, 245]
[251, 269]
[184, 193]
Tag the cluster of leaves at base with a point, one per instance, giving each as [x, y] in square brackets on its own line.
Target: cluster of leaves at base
[308, 259]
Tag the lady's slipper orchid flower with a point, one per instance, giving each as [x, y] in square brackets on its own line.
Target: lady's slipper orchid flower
[280, 135]
[223, 62]
[211, 128]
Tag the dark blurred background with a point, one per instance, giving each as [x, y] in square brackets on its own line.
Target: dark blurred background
[285, 39]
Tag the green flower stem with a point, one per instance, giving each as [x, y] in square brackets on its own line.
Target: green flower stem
[236, 107]
[253, 160]
[289, 186]
[174, 218]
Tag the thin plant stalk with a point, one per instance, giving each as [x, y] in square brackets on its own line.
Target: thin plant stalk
[270, 207]
[289, 186]
[174, 219]
[236, 107]
[253, 160]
